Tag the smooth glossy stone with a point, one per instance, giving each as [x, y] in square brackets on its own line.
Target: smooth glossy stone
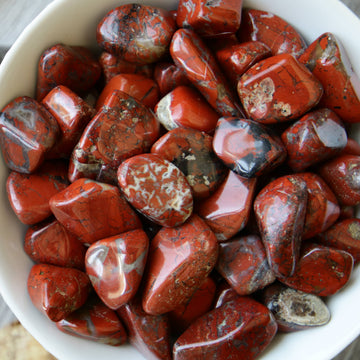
[72, 66]
[112, 65]
[272, 30]
[149, 334]
[243, 264]
[27, 132]
[278, 89]
[180, 259]
[322, 209]
[72, 113]
[280, 209]
[343, 235]
[240, 329]
[352, 147]
[50, 243]
[57, 291]
[190, 53]
[247, 147]
[342, 174]
[236, 59]
[295, 310]
[224, 293]
[29, 194]
[140, 87]
[219, 43]
[122, 128]
[329, 62]
[115, 266]
[321, 270]
[156, 188]
[346, 212]
[186, 107]
[227, 210]
[93, 210]
[191, 151]
[207, 18]
[96, 322]
[136, 33]
[317, 136]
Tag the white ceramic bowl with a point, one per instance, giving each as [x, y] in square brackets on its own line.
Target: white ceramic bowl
[74, 22]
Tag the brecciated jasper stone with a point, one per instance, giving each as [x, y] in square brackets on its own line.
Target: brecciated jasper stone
[29, 194]
[317, 136]
[247, 147]
[156, 188]
[50, 243]
[191, 151]
[329, 62]
[277, 89]
[93, 210]
[180, 259]
[295, 310]
[72, 66]
[115, 266]
[27, 132]
[240, 329]
[242, 263]
[186, 107]
[227, 210]
[322, 209]
[280, 210]
[210, 18]
[190, 53]
[342, 174]
[224, 293]
[149, 334]
[122, 128]
[57, 291]
[136, 33]
[278, 34]
[321, 270]
[352, 148]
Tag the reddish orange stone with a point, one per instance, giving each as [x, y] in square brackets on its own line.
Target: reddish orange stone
[352, 147]
[224, 293]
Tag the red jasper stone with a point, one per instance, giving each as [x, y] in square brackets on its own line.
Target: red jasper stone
[186, 107]
[94, 321]
[190, 53]
[57, 291]
[278, 88]
[149, 334]
[180, 259]
[93, 210]
[247, 147]
[156, 188]
[236, 59]
[191, 151]
[122, 128]
[72, 113]
[168, 76]
[72, 66]
[275, 32]
[224, 293]
[227, 210]
[29, 194]
[242, 263]
[321, 270]
[140, 87]
[280, 210]
[343, 235]
[322, 209]
[346, 212]
[136, 33]
[221, 42]
[328, 61]
[342, 175]
[319, 135]
[240, 329]
[27, 132]
[50, 243]
[112, 65]
[115, 266]
[352, 147]
[207, 18]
